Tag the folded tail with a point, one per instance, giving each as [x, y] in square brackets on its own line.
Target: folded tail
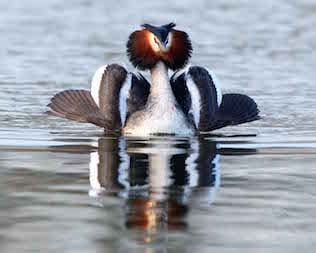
[77, 105]
[235, 109]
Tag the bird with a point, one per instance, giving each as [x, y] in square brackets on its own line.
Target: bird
[190, 102]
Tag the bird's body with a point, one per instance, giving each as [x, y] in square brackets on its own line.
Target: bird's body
[162, 113]
[185, 104]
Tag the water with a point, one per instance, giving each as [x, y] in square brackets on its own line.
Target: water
[66, 187]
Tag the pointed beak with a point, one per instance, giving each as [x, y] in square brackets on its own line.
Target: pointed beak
[163, 46]
[161, 33]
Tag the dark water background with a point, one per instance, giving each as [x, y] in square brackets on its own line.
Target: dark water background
[65, 187]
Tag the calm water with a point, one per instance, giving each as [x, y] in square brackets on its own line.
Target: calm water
[64, 187]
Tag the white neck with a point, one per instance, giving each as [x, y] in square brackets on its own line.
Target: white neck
[160, 84]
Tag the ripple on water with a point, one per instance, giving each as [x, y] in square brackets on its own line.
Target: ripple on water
[243, 187]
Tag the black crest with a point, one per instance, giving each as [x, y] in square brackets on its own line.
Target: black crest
[160, 31]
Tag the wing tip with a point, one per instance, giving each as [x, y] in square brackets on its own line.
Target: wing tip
[76, 105]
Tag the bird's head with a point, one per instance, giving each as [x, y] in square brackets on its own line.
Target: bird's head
[151, 44]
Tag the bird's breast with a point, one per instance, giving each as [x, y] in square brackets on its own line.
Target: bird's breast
[158, 119]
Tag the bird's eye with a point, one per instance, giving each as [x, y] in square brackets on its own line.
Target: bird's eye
[166, 41]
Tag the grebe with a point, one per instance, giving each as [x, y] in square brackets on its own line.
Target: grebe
[188, 103]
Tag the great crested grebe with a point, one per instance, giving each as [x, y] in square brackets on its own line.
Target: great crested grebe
[188, 103]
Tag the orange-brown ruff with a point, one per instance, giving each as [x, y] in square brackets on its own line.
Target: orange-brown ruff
[142, 54]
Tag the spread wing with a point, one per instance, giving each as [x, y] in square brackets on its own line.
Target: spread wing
[199, 95]
[115, 94]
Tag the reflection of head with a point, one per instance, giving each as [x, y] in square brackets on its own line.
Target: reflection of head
[152, 215]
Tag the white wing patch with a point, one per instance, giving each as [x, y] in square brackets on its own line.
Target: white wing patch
[180, 72]
[124, 93]
[195, 100]
[96, 83]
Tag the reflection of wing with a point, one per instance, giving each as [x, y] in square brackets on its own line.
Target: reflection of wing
[108, 166]
[204, 172]
[179, 175]
[198, 93]
[208, 164]
[138, 172]
[115, 94]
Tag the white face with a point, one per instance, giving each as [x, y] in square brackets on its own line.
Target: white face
[157, 46]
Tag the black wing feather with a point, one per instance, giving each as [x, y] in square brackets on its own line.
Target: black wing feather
[138, 95]
[234, 109]
[207, 94]
[181, 92]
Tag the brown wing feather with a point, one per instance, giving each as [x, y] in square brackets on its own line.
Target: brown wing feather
[77, 105]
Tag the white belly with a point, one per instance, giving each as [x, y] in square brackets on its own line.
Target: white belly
[158, 121]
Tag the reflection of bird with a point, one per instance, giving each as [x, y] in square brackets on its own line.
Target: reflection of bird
[189, 102]
[160, 180]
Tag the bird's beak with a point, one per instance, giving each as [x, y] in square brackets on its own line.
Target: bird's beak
[164, 47]
[161, 33]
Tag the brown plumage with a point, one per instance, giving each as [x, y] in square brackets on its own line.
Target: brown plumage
[77, 105]
[143, 56]
[140, 51]
[180, 50]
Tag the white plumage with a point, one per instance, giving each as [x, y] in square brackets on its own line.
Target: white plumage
[96, 82]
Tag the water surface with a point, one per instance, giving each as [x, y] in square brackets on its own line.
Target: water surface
[66, 187]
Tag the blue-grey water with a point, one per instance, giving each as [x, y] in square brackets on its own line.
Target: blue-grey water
[64, 187]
